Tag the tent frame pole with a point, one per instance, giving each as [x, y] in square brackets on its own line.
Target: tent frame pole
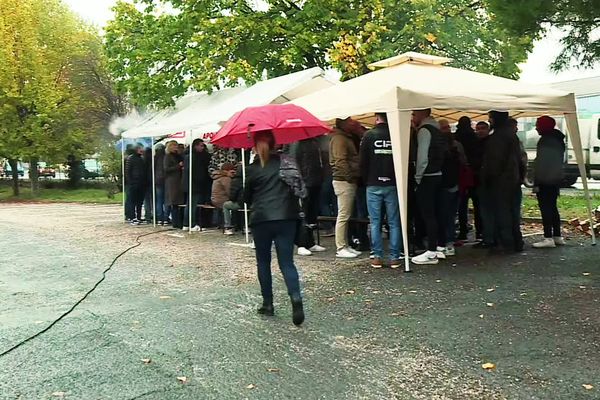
[190, 169]
[153, 185]
[123, 178]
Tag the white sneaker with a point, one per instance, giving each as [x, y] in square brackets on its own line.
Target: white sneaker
[252, 245]
[229, 232]
[546, 243]
[303, 251]
[317, 249]
[429, 257]
[351, 250]
[345, 253]
[559, 241]
[441, 255]
[450, 251]
[196, 229]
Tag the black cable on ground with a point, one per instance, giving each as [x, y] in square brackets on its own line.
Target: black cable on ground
[70, 310]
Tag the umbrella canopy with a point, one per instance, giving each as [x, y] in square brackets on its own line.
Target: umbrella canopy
[289, 123]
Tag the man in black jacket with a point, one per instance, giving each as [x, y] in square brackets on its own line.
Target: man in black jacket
[135, 176]
[201, 182]
[378, 173]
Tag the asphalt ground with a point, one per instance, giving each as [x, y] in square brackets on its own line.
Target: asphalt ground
[175, 319]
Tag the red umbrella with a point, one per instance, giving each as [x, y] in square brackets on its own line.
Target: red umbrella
[289, 123]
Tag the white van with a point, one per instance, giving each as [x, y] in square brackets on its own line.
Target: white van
[589, 129]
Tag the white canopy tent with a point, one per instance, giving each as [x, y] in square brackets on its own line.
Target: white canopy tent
[198, 115]
[413, 81]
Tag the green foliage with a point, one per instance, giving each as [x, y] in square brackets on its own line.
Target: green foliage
[579, 19]
[158, 49]
[56, 99]
[112, 166]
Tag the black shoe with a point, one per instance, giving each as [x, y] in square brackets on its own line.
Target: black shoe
[297, 312]
[266, 309]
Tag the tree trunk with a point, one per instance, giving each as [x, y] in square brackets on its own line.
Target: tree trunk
[34, 176]
[14, 166]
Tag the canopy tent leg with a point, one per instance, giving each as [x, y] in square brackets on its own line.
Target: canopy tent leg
[399, 123]
[190, 169]
[573, 128]
[243, 188]
[123, 178]
[153, 186]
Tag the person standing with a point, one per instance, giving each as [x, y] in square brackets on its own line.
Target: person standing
[466, 136]
[148, 196]
[135, 175]
[275, 215]
[454, 160]
[344, 161]
[173, 165]
[487, 234]
[431, 149]
[201, 182]
[307, 154]
[129, 211]
[518, 199]
[500, 178]
[159, 181]
[548, 174]
[378, 173]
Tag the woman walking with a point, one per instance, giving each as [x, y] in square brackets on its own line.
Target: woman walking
[548, 169]
[272, 193]
[173, 165]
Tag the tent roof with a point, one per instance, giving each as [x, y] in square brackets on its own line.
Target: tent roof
[416, 81]
[204, 112]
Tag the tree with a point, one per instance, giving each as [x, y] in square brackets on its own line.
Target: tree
[157, 53]
[579, 19]
[54, 99]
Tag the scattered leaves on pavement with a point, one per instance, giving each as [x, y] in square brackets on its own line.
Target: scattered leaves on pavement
[146, 360]
[182, 379]
[62, 394]
[350, 291]
[488, 366]
[587, 386]
[274, 370]
[251, 386]
[586, 274]
[481, 316]
[491, 290]
[489, 304]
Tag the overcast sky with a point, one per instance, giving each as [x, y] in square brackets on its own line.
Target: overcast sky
[534, 71]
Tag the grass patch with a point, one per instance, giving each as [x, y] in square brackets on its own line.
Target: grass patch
[572, 205]
[61, 195]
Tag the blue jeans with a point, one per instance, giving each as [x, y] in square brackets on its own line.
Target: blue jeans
[377, 198]
[283, 234]
[159, 209]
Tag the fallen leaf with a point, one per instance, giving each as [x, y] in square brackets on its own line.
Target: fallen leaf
[376, 292]
[586, 274]
[136, 322]
[481, 316]
[251, 386]
[39, 322]
[488, 366]
[491, 290]
[350, 292]
[523, 294]
[413, 291]
[438, 281]
[349, 318]
[330, 299]
[182, 379]
[274, 370]
[62, 394]
[146, 360]
[582, 287]
[489, 304]
[587, 386]
[164, 297]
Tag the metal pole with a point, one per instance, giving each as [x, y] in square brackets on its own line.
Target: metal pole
[244, 188]
[123, 176]
[190, 211]
[153, 186]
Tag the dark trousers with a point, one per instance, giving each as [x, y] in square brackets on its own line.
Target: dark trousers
[129, 212]
[358, 232]
[176, 217]
[312, 204]
[137, 200]
[499, 206]
[282, 233]
[463, 211]
[547, 197]
[428, 191]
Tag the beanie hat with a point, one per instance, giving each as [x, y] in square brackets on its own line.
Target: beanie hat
[545, 124]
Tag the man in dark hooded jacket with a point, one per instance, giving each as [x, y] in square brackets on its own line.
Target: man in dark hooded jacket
[500, 175]
[135, 176]
[201, 181]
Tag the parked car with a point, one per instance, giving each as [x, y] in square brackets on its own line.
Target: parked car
[8, 171]
[87, 174]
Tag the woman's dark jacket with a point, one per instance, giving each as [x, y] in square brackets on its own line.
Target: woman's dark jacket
[173, 190]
